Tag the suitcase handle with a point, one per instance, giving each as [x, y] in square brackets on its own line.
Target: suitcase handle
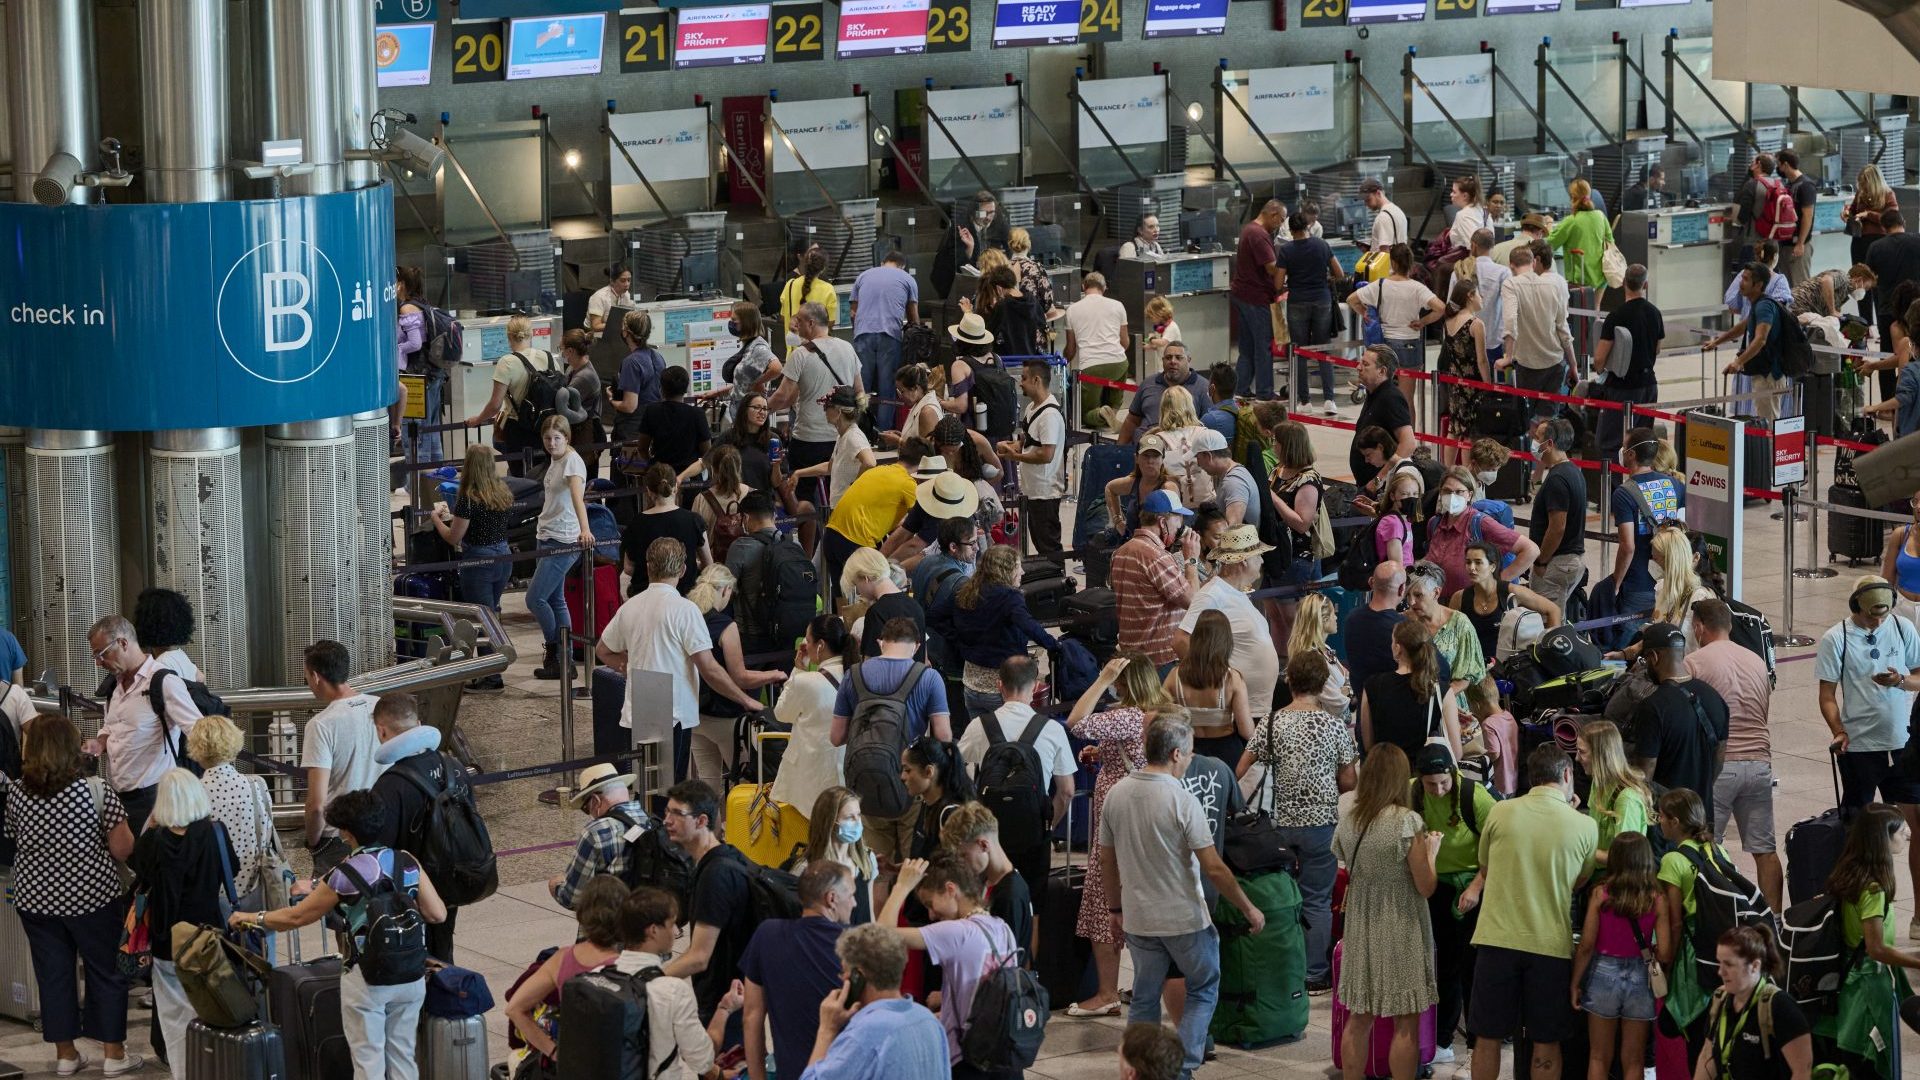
[759, 751]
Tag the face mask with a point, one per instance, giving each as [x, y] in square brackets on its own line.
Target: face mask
[1656, 571]
[1454, 504]
[733, 327]
[1486, 478]
[1857, 293]
[1536, 447]
[1408, 506]
[848, 832]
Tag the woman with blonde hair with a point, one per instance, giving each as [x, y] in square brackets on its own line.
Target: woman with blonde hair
[184, 865]
[868, 576]
[1676, 584]
[712, 593]
[1120, 732]
[240, 801]
[477, 524]
[562, 532]
[835, 832]
[1179, 428]
[1386, 963]
[1034, 281]
[1206, 674]
[1581, 237]
[1871, 198]
[1314, 621]
[1619, 800]
[852, 451]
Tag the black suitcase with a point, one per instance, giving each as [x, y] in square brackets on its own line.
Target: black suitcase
[303, 1001]
[1514, 484]
[1046, 587]
[1095, 615]
[1064, 963]
[1852, 538]
[1813, 846]
[609, 693]
[254, 1052]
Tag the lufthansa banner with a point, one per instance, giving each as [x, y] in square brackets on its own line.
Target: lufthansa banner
[232, 314]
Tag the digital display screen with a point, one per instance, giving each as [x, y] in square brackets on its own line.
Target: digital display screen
[882, 28]
[544, 47]
[708, 37]
[1521, 7]
[1362, 12]
[403, 54]
[1035, 22]
[1186, 18]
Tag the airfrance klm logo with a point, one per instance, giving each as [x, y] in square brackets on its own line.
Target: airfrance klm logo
[682, 136]
[1298, 93]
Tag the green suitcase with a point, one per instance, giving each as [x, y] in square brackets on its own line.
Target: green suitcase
[1263, 977]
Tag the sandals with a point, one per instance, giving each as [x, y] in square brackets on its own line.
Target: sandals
[1079, 1013]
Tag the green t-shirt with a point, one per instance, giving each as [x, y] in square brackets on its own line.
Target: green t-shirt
[1677, 870]
[1459, 845]
[1872, 904]
[1535, 848]
[1616, 813]
[1586, 233]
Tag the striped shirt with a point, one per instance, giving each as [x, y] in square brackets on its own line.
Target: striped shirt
[1151, 587]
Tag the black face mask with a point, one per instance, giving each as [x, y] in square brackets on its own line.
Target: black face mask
[733, 327]
[1408, 507]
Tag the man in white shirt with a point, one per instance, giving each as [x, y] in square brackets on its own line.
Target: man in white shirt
[1237, 557]
[1097, 345]
[338, 748]
[657, 629]
[1489, 276]
[1041, 450]
[139, 744]
[647, 922]
[1018, 677]
[1533, 329]
[1389, 221]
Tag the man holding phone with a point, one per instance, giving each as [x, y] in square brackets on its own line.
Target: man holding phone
[1869, 669]
[1154, 576]
[869, 1030]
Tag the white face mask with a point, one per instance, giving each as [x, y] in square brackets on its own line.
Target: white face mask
[1656, 571]
[1486, 478]
[1455, 503]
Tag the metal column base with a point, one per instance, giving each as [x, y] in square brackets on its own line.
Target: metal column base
[1794, 641]
[1806, 572]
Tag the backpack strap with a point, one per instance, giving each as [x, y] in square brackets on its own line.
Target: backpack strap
[157, 700]
[420, 782]
[712, 502]
[908, 684]
[1035, 726]
[995, 736]
[646, 978]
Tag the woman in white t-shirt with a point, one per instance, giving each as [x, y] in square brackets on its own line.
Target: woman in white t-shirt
[1469, 216]
[615, 293]
[852, 453]
[563, 530]
[1404, 308]
[914, 385]
[812, 764]
[1178, 429]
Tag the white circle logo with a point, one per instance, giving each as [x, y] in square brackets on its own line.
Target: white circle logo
[279, 311]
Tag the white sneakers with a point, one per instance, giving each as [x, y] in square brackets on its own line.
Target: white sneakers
[110, 1067]
[69, 1066]
[1329, 408]
[1443, 1055]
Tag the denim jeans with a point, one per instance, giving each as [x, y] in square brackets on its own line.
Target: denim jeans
[547, 595]
[484, 582]
[1308, 324]
[1317, 871]
[1197, 955]
[879, 361]
[978, 703]
[1254, 323]
[381, 1024]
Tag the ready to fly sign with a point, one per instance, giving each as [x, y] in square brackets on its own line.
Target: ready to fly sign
[1035, 22]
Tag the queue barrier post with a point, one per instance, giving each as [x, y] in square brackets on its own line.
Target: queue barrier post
[1791, 497]
[1817, 570]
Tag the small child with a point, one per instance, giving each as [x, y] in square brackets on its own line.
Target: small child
[1610, 978]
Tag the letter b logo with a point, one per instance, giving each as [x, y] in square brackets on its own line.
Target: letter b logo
[284, 296]
[280, 311]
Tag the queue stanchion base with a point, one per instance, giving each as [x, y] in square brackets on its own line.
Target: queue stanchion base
[1805, 573]
[1793, 641]
[554, 796]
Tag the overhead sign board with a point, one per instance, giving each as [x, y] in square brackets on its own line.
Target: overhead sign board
[1019, 23]
[710, 37]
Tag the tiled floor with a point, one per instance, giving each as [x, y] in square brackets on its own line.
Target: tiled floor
[499, 937]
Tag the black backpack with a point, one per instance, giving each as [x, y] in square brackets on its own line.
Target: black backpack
[392, 947]
[1272, 530]
[1723, 899]
[789, 590]
[997, 390]
[1752, 631]
[1008, 1020]
[1363, 554]
[542, 400]
[772, 893]
[1796, 352]
[1013, 784]
[917, 344]
[205, 700]
[654, 860]
[1818, 958]
[456, 850]
[1564, 650]
[604, 1028]
[876, 736]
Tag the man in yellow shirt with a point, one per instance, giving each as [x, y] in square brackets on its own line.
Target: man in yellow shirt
[872, 506]
[1534, 851]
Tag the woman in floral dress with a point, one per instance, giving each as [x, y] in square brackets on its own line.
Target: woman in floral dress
[1119, 731]
[1463, 352]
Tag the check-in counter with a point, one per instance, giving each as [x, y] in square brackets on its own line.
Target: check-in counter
[1684, 251]
[470, 384]
[1832, 247]
[1196, 284]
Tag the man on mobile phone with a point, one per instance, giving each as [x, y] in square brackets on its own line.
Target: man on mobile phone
[869, 1031]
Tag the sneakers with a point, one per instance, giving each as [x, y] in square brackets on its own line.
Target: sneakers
[1329, 408]
[130, 1063]
[1319, 987]
[69, 1066]
[1443, 1055]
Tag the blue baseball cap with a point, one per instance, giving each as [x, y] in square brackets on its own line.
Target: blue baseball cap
[1164, 502]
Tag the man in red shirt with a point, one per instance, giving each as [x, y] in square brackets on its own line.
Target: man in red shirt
[1152, 585]
[1254, 288]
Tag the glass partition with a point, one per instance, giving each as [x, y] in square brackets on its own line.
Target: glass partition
[1692, 103]
[1594, 73]
[1768, 103]
[1464, 87]
[984, 124]
[1130, 139]
[672, 150]
[1324, 114]
[1834, 108]
[506, 163]
[819, 153]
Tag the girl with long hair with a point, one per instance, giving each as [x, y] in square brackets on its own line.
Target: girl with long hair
[1206, 674]
[564, 532]
[1626, 921]
[809, 286]
[664, 517]
[984, 622]
[1405, 706]
[720, 503]
[919, 405]
[1871, 198]
[1865, 881]
[1386, 964]
[1688, 830]
[1751, 968]
[753, 436]
[835, 831]
[1178, 429]
[1618, 800]
[1463, 352]
[1314, 621]
[477, 524]
[812, 763]
[966, 451]
[1120, 732]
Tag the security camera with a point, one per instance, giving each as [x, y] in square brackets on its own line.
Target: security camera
[415, 152]
[56, 181]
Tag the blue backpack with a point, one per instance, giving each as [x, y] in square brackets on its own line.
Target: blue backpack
[445, 338]
[1075, 671]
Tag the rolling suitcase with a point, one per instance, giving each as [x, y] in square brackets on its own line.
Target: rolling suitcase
[1064, 962]
[1852, 538]
[1381, 1044]
[766, 830]
[1813, 846]
[303, 1001]
[609, 694]
[1095, 615]
[1046, 587]
[453, 1049]
[606, 599]
[254, 1052]
[1263, 977]
[19, 992]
